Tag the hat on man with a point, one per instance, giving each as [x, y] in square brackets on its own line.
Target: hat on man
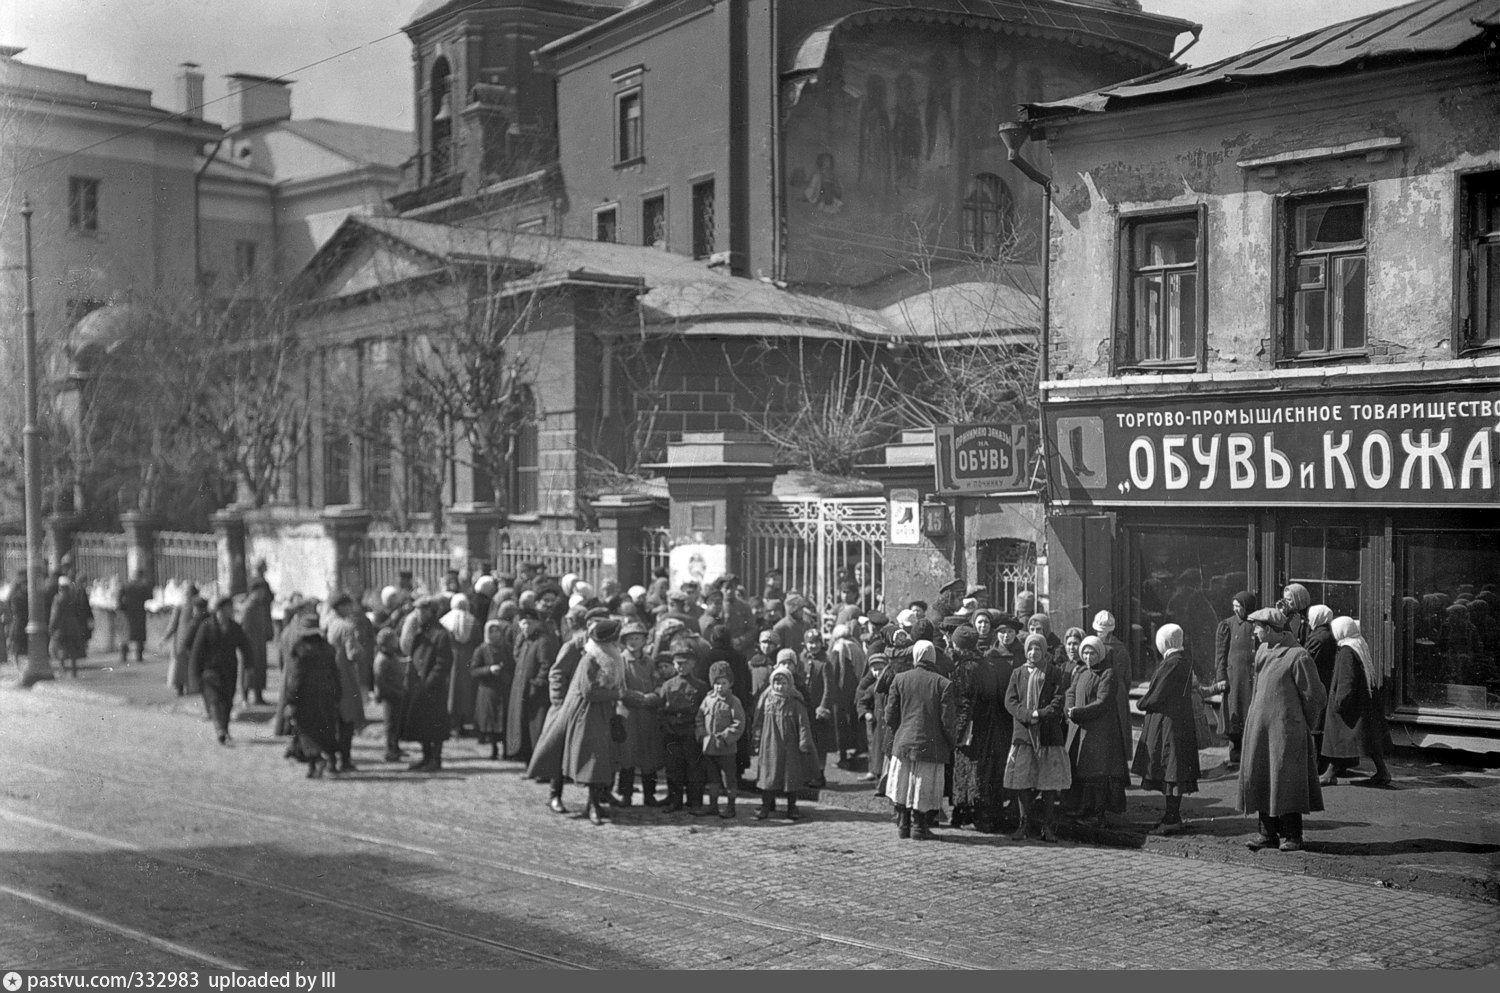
[954, 587]
[877, 619]
[1271, 617]
[606, 630]
[1007, 621]
[965, 638]
[677, 596]
[953, 622]
[594, 613]
[976, 591]
[720, 670]
[786, 657]
[634, 627]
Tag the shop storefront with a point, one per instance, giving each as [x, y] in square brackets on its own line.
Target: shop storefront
[1382, 502]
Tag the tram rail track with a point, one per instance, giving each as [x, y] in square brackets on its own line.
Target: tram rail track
[520, 868]
[201, 865]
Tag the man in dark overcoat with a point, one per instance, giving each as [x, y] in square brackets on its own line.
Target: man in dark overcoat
[427, 676]
[133, 597]
[310, 693]
[527, 708]
[219, 648]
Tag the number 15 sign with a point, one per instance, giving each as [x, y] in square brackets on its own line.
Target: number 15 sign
[981, 458]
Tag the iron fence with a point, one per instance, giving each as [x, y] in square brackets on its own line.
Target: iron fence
[562, 552]
[389, 553]
[655, 551]
[817, 544]
[12, 556]
[100, 556]
[186, 557]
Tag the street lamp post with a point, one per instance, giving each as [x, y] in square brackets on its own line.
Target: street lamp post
[37, 667]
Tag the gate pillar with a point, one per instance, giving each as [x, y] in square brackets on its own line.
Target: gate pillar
[708, 476]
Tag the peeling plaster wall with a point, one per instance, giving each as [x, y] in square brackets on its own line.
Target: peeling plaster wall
[1184, 154]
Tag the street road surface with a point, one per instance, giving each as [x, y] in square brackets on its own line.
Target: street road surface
[130, 839]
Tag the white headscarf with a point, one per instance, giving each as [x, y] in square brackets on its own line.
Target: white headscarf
[1346, 630]
[923, 651]
[1318, 615]
[1169, 638]
[1104, 623]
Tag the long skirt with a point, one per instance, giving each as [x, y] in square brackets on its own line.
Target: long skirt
[918, 785]
[1031, 768]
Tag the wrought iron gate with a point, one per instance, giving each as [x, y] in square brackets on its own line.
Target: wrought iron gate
[818, 544]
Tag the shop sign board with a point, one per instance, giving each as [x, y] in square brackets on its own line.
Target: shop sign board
[906, 524]
[1384, 448]
[981, 458]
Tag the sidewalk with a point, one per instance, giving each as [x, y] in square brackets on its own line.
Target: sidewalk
[1438, 831]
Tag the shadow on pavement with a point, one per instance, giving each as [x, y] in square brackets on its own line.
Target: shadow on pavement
[1411, 846]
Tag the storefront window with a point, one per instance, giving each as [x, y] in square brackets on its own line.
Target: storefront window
[1185, 576]
[1448, 618]
[1326, 561]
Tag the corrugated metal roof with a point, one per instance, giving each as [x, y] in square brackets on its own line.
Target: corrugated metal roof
[1423, 28]
[692, 296]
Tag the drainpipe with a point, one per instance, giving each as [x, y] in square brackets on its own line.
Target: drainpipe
[1015, 134]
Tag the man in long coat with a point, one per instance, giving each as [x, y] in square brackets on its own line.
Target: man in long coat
[535, 653]
[1279, 764]
[348, 656]
[310, 692]
[255, 618]
[219, 648]
[133, 597]
[1234, 670]
[426, 717]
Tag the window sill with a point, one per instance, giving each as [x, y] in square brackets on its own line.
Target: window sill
[1444, 716]
[1327, 358]
[1157, 368]
[1480, 348]
[627, 163]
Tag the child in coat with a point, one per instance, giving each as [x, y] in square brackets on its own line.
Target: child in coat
[721, 722]
[681, 696]
[782, 742]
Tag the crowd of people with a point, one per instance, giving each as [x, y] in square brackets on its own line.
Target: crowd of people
[687, 698]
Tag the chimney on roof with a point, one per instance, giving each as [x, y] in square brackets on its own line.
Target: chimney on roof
[190, 90]
[257, 100]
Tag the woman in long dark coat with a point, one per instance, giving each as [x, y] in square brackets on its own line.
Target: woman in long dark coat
[1167, 757]
[1354, 721]
[256, 621]
[1322, 647]
[527, 708]
[1279, 766]
[1096, 703]
[427, 673]
[219, 646]
[493, 667]
[983, 739]
[1234, 669]
[310, 695]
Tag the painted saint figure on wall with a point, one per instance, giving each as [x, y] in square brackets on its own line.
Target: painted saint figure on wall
[875, 135]
[907, 128]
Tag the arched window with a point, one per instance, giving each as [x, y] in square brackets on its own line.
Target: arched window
[989, 215]
[525, 457]
[440, 102]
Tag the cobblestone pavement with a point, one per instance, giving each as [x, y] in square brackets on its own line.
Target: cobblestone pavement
[135, 816]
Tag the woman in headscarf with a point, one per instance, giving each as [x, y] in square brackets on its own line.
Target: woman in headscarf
[1038, 759]
[1279, 767]
[1072, 652]
[467, 636]
[1042, 624]
[1097, 704]
[1167, 757]
[922, 711]
[984, 626]
[980, 745]
[1104, 630]
[1294, 603]
[1354, 721]
[1234, 669]
[1321, 646]
[492, 668]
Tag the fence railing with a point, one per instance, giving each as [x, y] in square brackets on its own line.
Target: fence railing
[12, 556]
[655, 550]
[98, 555]
[187, 556]
[562, 552]
[389, 553]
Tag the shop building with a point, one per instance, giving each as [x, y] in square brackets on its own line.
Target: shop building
[1275, 349]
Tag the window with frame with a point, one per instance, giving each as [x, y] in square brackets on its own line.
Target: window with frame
[629, 110]
[244, 259]
[654, 221]
[988, 215]
[440, 96]
[1447, 635]
[1480, 305]
[525, 458]
[607, 225]
[1326, 274]
[703, 219]
[1163, 286]
[338, 459]
[83, 204]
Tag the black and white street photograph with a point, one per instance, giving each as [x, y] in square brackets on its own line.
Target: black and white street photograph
[620, 485]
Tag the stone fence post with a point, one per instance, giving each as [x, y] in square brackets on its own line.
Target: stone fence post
[622, 518]
[348, 525]
[229, 526]
[140, 544]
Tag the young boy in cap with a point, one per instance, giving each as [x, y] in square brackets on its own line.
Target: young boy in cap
[681, 697]
[721, 722]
